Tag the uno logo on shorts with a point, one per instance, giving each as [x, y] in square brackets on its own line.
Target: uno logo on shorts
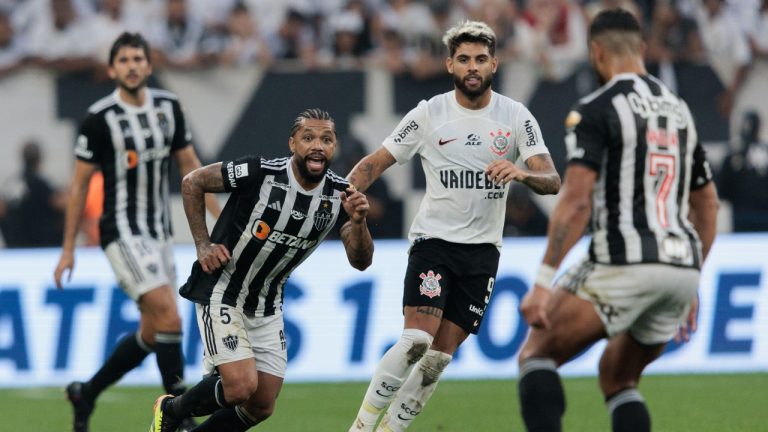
[430, 284]
[261, 230]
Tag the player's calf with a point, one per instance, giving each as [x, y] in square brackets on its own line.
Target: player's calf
[542, 401]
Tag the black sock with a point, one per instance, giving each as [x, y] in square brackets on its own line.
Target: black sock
[127, 355]
[202, 399]
[226, 419]
[628, 411]
[542, 401]
[170, 361]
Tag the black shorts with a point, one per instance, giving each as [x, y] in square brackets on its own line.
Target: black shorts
[457, 278]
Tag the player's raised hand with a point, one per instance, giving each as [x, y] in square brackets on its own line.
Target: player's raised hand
[534, 306]
[66, 262]
[355, 204]
[212, 256]
[503, 171]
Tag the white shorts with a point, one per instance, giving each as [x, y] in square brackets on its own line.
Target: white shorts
[229, 335]
[648, 300]
[142, 264]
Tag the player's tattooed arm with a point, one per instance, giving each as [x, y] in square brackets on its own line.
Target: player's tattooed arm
[354, 233]
[542, 178]
[370, 168]
[193, 189]
[571, 214]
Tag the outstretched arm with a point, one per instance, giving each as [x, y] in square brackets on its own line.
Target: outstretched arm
[370, 168]
[354, 233]
[541, 175]
[566, 226]
[211, 256]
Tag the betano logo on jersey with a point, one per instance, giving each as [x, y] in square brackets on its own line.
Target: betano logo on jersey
[405, 131]
[262, 231]
[647, 106]
[133, 158]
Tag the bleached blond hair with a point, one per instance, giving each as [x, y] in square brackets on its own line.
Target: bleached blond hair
[470, 31]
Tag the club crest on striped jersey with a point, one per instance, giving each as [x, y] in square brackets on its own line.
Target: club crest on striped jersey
[231, 342]
[164, 124]
[430, 284]
[323, 215]
[500, 142]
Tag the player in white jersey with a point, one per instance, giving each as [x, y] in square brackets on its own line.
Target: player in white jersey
[468, 140]
[636, 166]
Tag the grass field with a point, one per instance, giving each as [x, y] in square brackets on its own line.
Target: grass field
[695, 403]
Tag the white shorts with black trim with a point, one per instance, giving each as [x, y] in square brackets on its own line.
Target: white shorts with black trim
[648, 300]
[142, 264]
[229, 335]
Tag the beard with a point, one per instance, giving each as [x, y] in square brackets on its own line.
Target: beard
[473, 93]
[301, 163]
[132, 89]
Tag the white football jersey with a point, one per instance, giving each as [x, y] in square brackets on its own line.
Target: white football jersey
[463, 205]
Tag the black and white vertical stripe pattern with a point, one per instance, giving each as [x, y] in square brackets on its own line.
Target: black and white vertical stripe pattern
[136, 177]
[254, 278]
[640, 200]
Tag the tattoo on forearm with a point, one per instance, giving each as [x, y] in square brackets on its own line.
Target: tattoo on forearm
[543, 178]
[194, 207]
[543, 184]
[360, 249]
[429, 310]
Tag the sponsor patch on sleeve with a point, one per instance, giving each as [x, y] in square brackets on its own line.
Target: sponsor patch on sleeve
[241, 170]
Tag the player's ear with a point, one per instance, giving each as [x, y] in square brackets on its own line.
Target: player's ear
[449, 64]
[111, 72]
[291, 145]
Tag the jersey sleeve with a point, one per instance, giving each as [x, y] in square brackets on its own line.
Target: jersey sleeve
[528, 138]
[91, 139]
[701, 172]
[182, 136]
[241, 174]
[406, 140]
[585, 138]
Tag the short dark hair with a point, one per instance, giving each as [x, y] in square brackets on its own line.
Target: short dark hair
[134, 40]
[312, 113]
[614, 20]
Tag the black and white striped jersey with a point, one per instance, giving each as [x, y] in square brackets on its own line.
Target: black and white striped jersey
[132, 146]
[641, 139]
[270, 224]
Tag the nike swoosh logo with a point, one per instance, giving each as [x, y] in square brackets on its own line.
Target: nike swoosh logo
[441, 142]
[404, 419]
[383, 395]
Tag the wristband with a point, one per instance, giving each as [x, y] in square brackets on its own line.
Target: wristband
[545, 276]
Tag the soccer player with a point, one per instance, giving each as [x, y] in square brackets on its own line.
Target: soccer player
[468, 140]
[277, 214]
[130, 136]
[637, 168]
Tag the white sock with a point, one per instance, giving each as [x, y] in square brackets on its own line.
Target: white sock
[393, 368]
[415, 392]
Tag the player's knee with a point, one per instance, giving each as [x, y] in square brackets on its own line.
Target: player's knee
[416, 343]
[259, 411]
[239, 391]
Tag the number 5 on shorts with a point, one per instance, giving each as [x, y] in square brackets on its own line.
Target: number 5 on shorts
[225, 318]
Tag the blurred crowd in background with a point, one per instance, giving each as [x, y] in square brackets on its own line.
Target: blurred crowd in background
[404, 37]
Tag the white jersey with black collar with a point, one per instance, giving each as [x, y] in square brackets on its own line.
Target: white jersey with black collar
[463, 205]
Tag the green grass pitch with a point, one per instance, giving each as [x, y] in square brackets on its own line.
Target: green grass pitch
[678, 403]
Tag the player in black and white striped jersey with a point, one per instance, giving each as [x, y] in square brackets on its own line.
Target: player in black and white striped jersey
[278, 212]
[131, 136]
[636, 166]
